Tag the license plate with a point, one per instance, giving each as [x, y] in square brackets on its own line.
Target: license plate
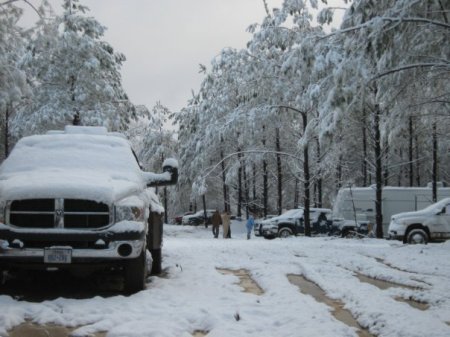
[57, 255]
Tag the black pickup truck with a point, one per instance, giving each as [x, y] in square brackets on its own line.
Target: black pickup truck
[77, 199]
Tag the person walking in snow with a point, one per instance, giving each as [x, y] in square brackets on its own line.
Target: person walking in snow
[216, 220]
[226, 220]
[249, 225]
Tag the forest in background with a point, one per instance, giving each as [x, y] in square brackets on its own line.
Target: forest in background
[285, 122]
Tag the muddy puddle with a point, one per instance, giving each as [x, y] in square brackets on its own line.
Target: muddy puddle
[387, 264]
[245, 280]
[310, 288]
[33, 330]
[383, 285]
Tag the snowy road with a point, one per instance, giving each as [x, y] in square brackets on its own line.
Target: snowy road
[196, 297]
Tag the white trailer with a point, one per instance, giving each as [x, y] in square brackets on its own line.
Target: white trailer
[356, 205]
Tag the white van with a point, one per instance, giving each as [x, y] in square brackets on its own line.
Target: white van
[355, 206]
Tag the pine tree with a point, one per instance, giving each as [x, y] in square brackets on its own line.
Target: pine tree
[75, 73]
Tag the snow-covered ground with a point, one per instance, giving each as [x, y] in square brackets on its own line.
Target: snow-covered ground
[195, 296]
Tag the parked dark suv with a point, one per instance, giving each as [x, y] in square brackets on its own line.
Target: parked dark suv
[292, 223]
[198, 218]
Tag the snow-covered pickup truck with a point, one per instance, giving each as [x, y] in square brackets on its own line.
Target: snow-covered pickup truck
[429, 224]
[78, 200]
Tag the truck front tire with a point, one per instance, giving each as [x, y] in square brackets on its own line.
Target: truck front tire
[417, 236]
[285, 232]
[135, 274]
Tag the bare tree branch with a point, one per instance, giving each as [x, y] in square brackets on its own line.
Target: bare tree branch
[389, 19]
[409, 66]
[26, 1]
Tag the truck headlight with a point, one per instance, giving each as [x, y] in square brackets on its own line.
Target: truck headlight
[129, 213]
[397, 222]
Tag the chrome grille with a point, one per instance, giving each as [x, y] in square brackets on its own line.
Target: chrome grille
[58, 213]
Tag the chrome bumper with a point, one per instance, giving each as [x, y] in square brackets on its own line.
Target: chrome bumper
[109, 253]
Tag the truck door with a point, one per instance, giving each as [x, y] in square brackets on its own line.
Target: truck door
[445, 218]
[440, 225]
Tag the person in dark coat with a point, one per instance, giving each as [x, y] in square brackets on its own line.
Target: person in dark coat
[216, 221]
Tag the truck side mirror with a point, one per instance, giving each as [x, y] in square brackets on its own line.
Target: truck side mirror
[168, 177]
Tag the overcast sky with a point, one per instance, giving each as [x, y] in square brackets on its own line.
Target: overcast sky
[166, 40]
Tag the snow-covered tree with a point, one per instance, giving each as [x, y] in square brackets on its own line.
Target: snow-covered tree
[13, 83]
[153, 143]
[75, 73]
[347, 107]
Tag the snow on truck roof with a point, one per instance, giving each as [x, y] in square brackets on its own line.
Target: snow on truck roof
[86, 130]
[79, 162]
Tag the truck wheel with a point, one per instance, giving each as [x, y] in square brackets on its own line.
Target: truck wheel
[417, 236]
[135, 274]
[157, 261]
[284, 232]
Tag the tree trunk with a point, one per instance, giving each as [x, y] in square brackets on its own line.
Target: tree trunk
[296, 194]
[246, 190]
[434, 175]
[7, 113]
[265, 188]
[307, 180]
[204, 210]
[319, 179]
[385, 165]
[239, 206]
[265, 177]
[339, 173]
[378, 174]
[364, 143]
[254, 183]
[279, 172]
[410, 152]
[224, 186]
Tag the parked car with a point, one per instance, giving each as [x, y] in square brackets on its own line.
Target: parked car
[258, 224]
[198, 218]
[292, 223]
[429, 224]
[179, 218]
[78, 200]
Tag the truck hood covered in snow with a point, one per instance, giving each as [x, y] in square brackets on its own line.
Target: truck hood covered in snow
[430, 210]
[405, 215]
[95, 167]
